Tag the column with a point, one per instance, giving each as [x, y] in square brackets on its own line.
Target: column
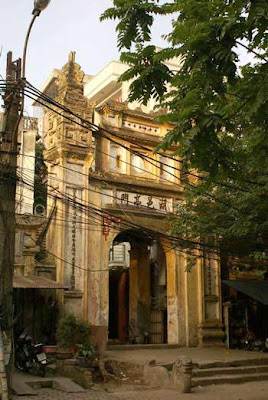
[102, 154]
[210, 327]
[172, 296]
[98, 288]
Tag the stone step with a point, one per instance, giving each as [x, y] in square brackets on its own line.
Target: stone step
[233, 379]
[230, 371]
[235, 363]
[124, 347]
[21, 388]
[222, 364]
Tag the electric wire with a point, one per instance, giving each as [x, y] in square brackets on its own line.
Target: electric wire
[175, 239]
[154, 160]
[96, 128]
[205, 194]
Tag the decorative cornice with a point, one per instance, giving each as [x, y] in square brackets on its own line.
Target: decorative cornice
[130, 134]
[69, 151]
[117, 210]
[29, 221]
[122, 108]
[142, 185]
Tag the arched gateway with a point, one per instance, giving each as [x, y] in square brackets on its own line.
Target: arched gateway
[112, 191]
[137, 289]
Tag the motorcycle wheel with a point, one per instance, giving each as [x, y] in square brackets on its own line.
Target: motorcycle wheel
[20, 363]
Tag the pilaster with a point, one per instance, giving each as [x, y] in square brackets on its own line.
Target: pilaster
[69, 154]
[210, 326]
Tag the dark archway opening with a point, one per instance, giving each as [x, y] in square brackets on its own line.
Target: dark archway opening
[118, 305]
[137, 290]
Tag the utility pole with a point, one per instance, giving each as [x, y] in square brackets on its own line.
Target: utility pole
[14, 103]
[8, 178]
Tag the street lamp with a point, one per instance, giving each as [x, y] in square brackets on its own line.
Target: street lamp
[39, 5]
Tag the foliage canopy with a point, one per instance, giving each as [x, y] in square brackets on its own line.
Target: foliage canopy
[218, 106]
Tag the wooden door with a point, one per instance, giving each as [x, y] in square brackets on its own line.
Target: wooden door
[156, 327]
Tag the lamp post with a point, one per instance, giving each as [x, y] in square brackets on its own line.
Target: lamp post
[14, 104]
[39, 5]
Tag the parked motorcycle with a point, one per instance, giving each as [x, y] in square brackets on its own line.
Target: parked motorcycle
[250, 342]
[247, 340]
[30, 356]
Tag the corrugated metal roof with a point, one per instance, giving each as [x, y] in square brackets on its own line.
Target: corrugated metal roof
[35, 282]
[258, 290]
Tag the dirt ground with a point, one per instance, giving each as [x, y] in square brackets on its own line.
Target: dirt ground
[246, 391]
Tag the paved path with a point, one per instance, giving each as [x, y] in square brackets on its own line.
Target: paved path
[26, 384]
[247, 391]
[54, 394]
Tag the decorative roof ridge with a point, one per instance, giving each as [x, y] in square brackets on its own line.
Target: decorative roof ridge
[122, 108]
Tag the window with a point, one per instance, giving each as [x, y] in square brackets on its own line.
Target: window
[140, 165]
[117, 159]
[117, 253]
[137, 164]
[166, 170]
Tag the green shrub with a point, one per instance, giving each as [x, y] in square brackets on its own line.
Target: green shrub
[72, 331]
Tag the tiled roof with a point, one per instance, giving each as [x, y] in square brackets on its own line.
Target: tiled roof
[35, 282]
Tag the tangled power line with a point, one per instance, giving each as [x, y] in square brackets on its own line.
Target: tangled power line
[34, 94]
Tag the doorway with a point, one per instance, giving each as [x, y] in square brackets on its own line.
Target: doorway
[137, 290]
[118, 305]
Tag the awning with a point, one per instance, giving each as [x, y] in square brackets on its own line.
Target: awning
[258, 290]
[35, 282]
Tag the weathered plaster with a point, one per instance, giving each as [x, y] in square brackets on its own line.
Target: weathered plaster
[81, 247]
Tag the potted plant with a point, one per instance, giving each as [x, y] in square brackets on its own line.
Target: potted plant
[83, 332]
[50, 348]
[87, 356]
[71, 331]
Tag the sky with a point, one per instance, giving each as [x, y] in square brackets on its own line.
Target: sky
[65, 25]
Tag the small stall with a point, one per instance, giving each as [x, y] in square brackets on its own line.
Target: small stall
[245, 309]
[35, 305]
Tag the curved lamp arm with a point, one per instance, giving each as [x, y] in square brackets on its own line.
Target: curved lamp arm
[39, 5]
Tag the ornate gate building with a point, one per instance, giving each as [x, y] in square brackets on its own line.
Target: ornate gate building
[109, 232]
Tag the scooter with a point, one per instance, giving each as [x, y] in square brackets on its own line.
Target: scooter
[248, 339]
[250, 342]
[29, 356]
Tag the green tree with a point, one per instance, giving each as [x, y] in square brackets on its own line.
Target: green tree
[218, 107]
